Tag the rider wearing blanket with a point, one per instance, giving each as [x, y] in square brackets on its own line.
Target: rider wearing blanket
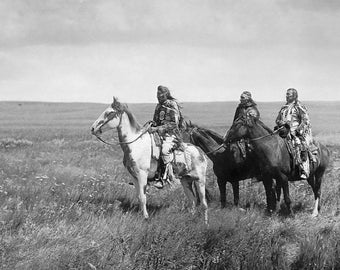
[295, 116]
[166, 120]
[247, 107]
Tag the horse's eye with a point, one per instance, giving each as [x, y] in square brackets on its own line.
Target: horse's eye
[110, 115]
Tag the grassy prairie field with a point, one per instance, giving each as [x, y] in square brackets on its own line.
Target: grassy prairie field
[65, 202]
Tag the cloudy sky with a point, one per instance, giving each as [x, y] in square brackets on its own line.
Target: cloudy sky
[203, 50]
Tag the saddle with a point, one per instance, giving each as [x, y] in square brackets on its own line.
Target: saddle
[240, 149]
[180, 161]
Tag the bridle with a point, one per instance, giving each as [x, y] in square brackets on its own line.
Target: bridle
[112, 115]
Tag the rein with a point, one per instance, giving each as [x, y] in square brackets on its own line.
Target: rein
[144, 130]
[215, 150]
[147, 125]
[100, 139]
[267, 135]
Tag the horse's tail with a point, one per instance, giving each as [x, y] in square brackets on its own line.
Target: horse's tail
[324, 156]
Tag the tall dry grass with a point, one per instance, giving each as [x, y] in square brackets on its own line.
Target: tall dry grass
[65, 203]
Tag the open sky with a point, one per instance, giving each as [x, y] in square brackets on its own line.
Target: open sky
[203, 50]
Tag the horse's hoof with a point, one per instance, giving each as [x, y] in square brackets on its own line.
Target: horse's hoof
[269, 212]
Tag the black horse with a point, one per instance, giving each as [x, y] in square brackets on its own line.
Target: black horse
[229, 164]
[274, 158]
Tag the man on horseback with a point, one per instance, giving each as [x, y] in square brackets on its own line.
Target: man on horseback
[166, 121]
[247, 107]
[294, 115]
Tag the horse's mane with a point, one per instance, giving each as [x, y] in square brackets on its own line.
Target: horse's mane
[132, 118]
[212, 134]
[123, 107]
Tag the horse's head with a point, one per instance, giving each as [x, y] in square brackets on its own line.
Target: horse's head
[247, 127]
[206, 139]
[239, 129]
[191, 133]
[188, 132]
[109, 119]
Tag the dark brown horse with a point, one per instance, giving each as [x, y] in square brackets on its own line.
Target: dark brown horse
[228, 163]
[274, 158]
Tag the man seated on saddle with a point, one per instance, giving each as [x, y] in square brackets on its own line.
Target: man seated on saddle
[247, 107]
[166, 120]
[294, 116]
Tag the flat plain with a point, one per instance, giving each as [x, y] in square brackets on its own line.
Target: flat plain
[65, 201]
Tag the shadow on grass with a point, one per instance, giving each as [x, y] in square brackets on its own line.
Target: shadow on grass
[107, 205]
[127, 205]
[298, 207]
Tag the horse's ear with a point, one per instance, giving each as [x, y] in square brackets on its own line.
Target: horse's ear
[115, 102]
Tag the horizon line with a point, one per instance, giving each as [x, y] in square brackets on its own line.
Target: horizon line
[214, 101]
[209, 101]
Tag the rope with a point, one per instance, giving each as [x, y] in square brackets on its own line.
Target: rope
[144, 130]
[215, 150]
[267, 135]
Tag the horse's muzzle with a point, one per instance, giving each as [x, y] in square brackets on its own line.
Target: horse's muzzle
[96, 131]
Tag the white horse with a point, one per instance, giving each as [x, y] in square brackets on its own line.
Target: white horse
[141, 155]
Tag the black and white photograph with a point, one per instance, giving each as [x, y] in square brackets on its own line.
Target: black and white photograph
[179, 134]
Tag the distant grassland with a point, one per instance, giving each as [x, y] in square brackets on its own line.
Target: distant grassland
[65, 202]
[325, 116]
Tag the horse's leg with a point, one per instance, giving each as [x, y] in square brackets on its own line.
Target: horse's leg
[141, 191]
[223, 192]
[270, 193]
[198, 201]
[188, 190]
[318, 175]
[315, 182]
[286, 196]
[200, 184]
[236, 192]
[278, 187]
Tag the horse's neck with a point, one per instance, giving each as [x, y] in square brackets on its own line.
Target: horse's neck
[127, 131]
[208, 145]
[261, 138]
[257, 131]
[216, 138]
